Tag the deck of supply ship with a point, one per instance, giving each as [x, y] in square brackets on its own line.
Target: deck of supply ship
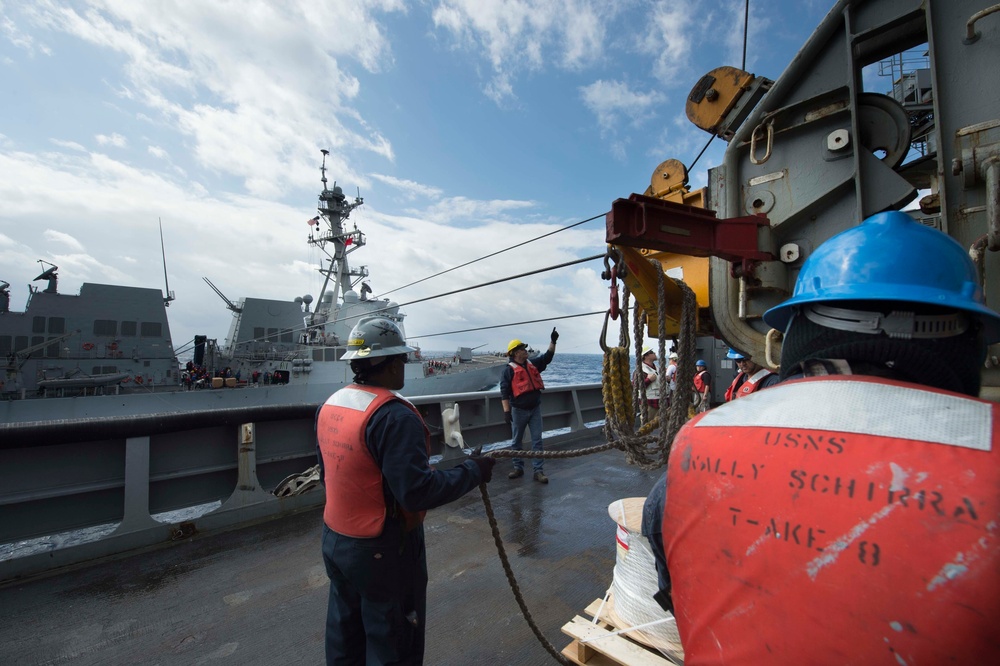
[257, 595]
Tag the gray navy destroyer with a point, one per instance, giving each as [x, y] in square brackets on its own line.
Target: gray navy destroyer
[108, 350]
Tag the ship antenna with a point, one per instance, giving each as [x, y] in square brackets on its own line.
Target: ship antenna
[163, 253]
[322, 169]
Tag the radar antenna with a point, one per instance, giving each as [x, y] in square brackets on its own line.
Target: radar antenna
[50, 275]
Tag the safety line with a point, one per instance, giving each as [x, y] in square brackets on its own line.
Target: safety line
[575, 224]
[516, 323]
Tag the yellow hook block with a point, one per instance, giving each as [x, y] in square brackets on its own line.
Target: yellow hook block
[641, 278]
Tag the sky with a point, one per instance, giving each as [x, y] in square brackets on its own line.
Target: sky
[467, 126]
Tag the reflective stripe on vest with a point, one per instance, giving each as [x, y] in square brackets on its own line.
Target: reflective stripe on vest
[526, 378]
[753, 382]
[837, 519]
[355, 503]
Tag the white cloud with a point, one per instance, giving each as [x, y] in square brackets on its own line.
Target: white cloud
[71, 145]
[260, 88]
[410, 189]
[115, 139]
[614, 101]
[462, 210]
[668, 39]
[53, 236]
[517, 36]
[156, 151]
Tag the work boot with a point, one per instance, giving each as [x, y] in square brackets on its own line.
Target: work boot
[541, 478]
[516, 474]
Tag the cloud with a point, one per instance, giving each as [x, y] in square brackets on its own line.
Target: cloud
[20, 39]
[243, 87]
[116, 140]
[156, 151]
[518, 36]
[71, 145]
[53, 236]
[668, 39]
[614, 102]
[410, 189]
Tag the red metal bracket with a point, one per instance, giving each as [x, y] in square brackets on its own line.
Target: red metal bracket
[665, 226]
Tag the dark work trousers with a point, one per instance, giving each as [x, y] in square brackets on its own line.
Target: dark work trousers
[378, 597]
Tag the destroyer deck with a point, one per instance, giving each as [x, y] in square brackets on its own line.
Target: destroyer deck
[258, 595]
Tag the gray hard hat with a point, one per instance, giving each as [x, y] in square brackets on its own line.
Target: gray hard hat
[376, 337]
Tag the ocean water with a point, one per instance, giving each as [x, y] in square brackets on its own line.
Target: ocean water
[568, 369]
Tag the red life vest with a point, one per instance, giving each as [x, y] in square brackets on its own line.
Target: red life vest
[737, 380]
[355, 503]
[752, 383]
[699, 383]
[526, 378]
[839, 520]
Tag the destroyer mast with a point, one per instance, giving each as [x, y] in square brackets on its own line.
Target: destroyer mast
[336, 244]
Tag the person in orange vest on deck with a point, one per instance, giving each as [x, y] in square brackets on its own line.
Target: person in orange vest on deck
[751, 377]
[702, 387]
[850, 514]
[521, 396]
[373, 453]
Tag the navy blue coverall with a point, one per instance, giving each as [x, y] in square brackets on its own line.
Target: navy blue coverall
[378, 586]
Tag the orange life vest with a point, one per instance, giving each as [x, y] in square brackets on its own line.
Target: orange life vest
[752, 383]
[699, 383]
[526, 378]
[730, 392]
[355, 503]
[839, 520]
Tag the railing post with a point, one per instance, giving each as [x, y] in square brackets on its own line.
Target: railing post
[248, 490]
[136, 511]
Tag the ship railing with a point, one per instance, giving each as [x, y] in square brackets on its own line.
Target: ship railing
[77, 490]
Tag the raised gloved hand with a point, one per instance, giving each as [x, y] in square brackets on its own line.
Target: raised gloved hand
[555, 335]
[508, 418]
[484, 463]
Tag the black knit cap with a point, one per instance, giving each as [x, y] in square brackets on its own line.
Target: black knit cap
[950, 364]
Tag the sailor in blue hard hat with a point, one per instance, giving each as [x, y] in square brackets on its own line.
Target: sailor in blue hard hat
[884, 339]
[897, 298]
[750, 377]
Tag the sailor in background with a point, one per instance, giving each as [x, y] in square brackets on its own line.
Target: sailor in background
[647, 375]
[521, 396]
[852, 513]
[373, 454]
[750, 378]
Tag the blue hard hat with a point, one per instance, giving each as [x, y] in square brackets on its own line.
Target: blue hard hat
[701, 363]
[733, 354]
[890, 257]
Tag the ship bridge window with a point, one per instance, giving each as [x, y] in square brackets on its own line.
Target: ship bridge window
[37, 341]
[272, 334]
[106, 327]
[5, 344]
[286, 335]
[151, 329]
[52, 351]
[258, 333]
[57, 325]
[317, 355]
[129, 329]
[20, 342]
[109, 369]
[38, 324]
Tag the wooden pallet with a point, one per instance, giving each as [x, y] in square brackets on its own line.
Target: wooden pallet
[608, 650]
